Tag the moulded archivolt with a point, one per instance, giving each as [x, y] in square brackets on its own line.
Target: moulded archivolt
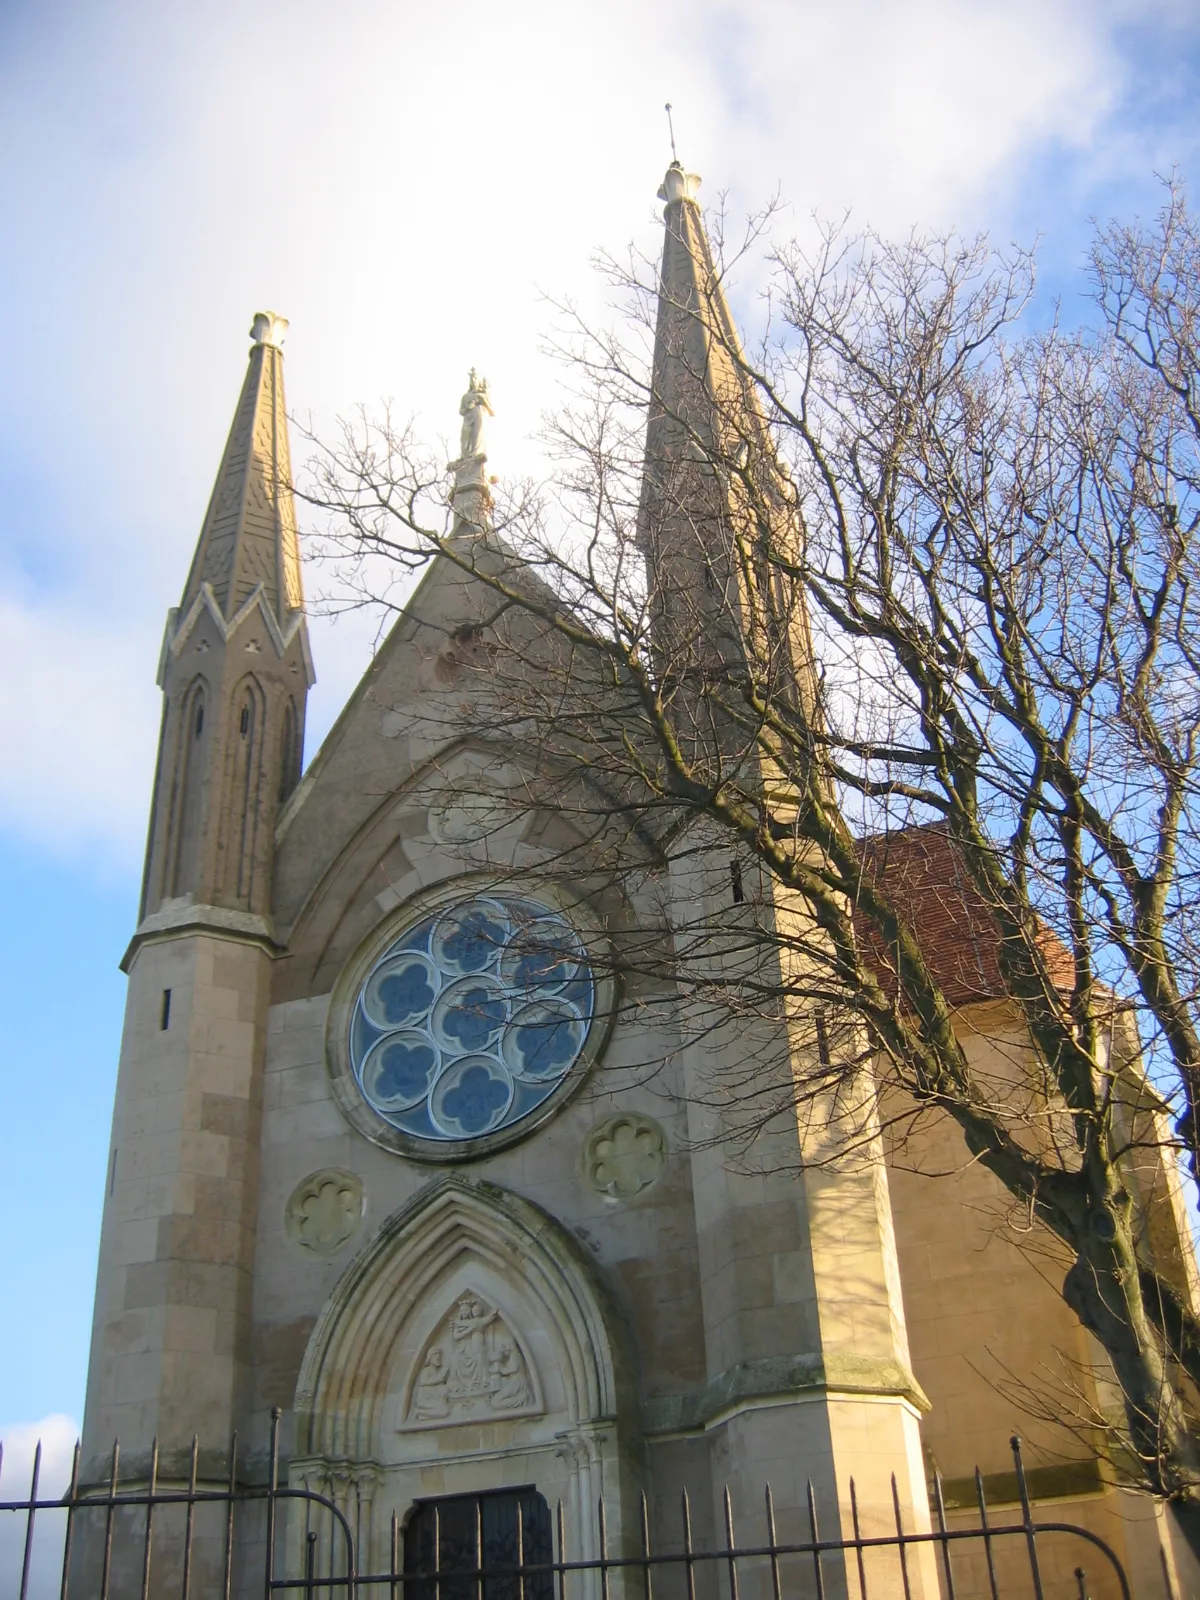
[474, 1367]
[392, 1304]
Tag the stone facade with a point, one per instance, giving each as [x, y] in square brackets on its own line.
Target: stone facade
[594, 1300]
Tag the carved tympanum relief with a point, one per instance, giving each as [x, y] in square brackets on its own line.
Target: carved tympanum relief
[623, 1155]
[324, 1211]
[472, 1368]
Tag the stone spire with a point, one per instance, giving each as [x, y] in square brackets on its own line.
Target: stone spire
[701, 407]
[712, 478]
[235, 668]
[248, 542]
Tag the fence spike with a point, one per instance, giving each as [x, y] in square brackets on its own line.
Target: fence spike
[816, 1539]
[29, 1519]
[729, 1545]
[561, 1529]
[647, 1581]
[603, 1526]
[858, 1542]
[900, 1538]
[773, 1542]
[688, 1566]
[1027, 1517]
[114, 1475]
[71, 1493]
[189, 1526]
[272, 1491]
[149, 1535]
[228, 1574]
[940, 1503]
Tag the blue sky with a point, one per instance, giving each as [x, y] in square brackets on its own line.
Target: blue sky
[404, 182]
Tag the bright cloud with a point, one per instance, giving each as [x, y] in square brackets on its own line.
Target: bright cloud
[402, 181]
[57, 1435]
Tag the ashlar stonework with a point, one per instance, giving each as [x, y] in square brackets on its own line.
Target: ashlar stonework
[548, 1270]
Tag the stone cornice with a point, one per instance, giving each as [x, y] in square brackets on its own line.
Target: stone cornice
[183, 916]
[781, 1379]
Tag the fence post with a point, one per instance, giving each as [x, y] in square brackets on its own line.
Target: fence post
[1027, 1518]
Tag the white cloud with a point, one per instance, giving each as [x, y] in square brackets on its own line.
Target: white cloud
[401, 181]
[57, 1435]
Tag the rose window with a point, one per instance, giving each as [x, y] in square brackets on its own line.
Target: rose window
[472, 1018]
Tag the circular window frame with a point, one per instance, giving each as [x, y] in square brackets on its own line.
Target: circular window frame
[347, 1094]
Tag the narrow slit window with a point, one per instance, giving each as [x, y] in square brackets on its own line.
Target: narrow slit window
[164, 1017]
[199, 721]
[735, 882]
[245, 721]
[112, 1172]
[822, 1028]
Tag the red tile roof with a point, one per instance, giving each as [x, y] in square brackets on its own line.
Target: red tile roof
[924, 875]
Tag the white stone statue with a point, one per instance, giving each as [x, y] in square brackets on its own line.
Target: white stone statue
[430, 1395]
[473, 1367]
[510, 1387]
[470, 1361]
[474, 407]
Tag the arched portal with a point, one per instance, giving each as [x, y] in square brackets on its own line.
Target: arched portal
[471, 1347]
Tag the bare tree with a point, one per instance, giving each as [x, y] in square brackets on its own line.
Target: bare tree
[908, 566]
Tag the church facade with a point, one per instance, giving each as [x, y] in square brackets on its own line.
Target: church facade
[380, 1162]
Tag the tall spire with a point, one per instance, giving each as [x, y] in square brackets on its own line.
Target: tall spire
[710, 466]
[248, 541]
[700, 403]
[235, 668]
[716, 513]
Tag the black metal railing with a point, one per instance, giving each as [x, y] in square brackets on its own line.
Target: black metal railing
[236, 1539]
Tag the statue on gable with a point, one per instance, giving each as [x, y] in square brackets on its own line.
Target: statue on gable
[474, 408]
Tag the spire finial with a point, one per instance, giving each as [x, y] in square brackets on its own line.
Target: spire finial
[269, 328]
[671, 131]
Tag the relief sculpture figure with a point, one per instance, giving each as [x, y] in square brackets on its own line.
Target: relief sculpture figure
[510, 1388]
[430, 1393]
[471, 1366]
[471, 1354]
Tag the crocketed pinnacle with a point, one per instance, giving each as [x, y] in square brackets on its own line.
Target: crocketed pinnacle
[248, 541]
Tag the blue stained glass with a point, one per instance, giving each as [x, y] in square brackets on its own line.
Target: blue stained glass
[549, 964]
[418, 939]
[475, 1019]
[404, 994]
[542, 1046]
[434, 1044]
[475, 1099]
[405, 1070]
[474, 941]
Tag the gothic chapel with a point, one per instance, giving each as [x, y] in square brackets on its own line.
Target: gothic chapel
[376, 1162]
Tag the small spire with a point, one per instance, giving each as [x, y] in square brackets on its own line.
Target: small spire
[671, 131]
[248, 540]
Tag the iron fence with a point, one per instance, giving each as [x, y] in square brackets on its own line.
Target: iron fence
[270, 1538]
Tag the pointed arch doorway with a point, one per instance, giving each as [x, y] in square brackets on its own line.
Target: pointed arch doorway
[470, 1352]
